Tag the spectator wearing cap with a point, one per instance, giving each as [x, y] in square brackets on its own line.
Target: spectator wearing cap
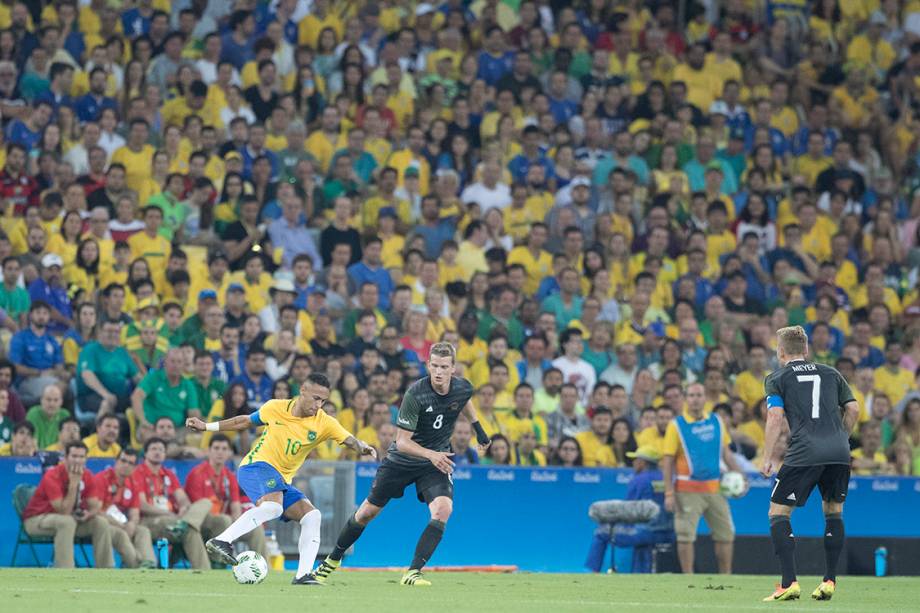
[235, 308]
[289, 233]
[209, 336]
[50, 289]
[105, 372]
[193, 326]
[68, 504]
[37, 355]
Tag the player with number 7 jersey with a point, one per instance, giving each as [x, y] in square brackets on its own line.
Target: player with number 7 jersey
[815, 403]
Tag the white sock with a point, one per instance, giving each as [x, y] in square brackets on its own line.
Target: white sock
[309, 541]
[250, 520]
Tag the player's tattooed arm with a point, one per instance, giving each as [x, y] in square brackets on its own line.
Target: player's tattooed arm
[234, 424]
[360, 447]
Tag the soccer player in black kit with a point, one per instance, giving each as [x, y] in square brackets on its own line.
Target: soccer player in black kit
[817, 404]
[420, 455]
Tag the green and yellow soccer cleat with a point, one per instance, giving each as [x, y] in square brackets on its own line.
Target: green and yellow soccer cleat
[785, 593]
[325, 569]
[825, 591]
[414, 577]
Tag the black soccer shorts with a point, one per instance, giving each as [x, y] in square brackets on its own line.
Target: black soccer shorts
[392, 479]
[795, 483]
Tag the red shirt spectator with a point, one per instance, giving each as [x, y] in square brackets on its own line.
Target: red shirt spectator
[160, 488]
[124, 496]
[221, 488]
[53, 486]
[15, 185]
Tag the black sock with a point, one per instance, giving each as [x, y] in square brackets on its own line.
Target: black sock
[833, 544]
[427, 543]
[347, 537]
[784, 546]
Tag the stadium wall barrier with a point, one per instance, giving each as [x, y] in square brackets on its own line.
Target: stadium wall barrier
[537, 518]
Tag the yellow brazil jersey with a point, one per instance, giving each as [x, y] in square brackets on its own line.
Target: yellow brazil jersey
[94, 451]
[726, 69]
[536, 267]
[320, 146]
[518, 221]
[515, 427]
[650, 437]
[809, 167]
[895, 385]
[785, 120]
[718, 245]
[155, 250]
[703, 87]
[138, 165]
[287, 440]
[310, 27]
[468, 353]
[749, 388]
[595, 452]
[380, 148]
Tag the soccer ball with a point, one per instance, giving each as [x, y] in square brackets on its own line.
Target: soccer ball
[251, 568]
[733, 485]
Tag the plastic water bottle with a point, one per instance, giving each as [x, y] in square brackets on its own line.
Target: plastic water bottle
[275, 557]
[881, 562]
[162, 550]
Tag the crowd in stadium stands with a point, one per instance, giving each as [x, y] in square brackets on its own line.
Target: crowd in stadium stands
[595, 202]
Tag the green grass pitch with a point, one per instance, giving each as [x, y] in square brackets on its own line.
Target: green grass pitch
[38, 590]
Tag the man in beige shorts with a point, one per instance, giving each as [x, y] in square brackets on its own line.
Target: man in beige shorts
[693, 445]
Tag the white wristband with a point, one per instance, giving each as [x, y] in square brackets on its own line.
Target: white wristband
[212, 427]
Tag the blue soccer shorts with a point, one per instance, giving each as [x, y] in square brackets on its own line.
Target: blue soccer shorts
[260, 478]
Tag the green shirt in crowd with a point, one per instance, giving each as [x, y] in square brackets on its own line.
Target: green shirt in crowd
[207, 396]
[163, 399]
[14, 301]
[114, 368]
[46, 428]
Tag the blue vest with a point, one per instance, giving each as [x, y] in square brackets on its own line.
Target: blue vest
[702, 443]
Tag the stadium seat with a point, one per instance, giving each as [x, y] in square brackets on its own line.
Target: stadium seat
[22, 493]
[85, 418]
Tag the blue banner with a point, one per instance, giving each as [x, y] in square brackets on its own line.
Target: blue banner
[536, 519]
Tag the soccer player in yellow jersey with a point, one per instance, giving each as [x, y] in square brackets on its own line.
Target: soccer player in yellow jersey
[293, 429]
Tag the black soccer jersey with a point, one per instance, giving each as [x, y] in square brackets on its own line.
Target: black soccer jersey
[812, 396]
[430, 416]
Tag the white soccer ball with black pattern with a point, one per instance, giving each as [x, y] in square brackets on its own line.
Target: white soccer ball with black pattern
[733, 485]
[252, 568]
